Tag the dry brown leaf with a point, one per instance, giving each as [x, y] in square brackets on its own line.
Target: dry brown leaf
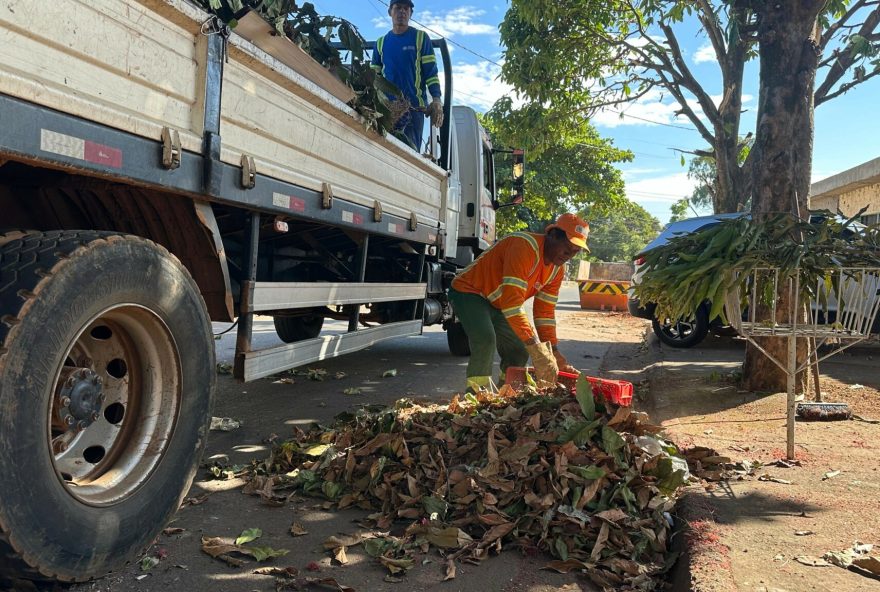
[195, 501]
[297, 529]
[219, 549]
[396, 566]
[340, 555]
[601, 540]
[329, 583]
[278, 572]
[566, 566]
[871, 564]
[497, 532]
[450, 570]
[614, 515]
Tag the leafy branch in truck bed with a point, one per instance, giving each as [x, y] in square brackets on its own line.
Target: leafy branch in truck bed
[704, 265]
[315, 34]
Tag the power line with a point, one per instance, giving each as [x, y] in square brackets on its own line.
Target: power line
[455, 43]
[624, 114]
[493, 62]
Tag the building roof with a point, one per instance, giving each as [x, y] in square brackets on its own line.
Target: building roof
[865, 174]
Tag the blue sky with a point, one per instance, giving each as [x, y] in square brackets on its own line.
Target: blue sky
[846, 128]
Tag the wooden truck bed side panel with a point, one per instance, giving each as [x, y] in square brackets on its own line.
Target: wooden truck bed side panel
[138, 66]
[296, 140]
[113, 62]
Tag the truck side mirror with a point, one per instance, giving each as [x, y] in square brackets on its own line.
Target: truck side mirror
[519, 176]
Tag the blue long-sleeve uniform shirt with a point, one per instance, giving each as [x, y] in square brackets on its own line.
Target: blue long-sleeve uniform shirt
[409, 62]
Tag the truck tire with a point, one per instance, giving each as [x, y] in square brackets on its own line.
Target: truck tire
[107, 375]
[682, 334]
[457, 340]
[291, 329]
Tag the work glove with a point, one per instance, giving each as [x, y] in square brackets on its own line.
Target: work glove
[563, 364]
[546, 369]
[435, 111]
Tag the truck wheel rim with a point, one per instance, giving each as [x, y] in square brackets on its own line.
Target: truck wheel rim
[115, 404]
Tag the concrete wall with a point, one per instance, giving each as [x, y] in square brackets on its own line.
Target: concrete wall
[850, 191]
[597, 270]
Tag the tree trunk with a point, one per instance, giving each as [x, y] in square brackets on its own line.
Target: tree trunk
[731, 184]
[783, 150]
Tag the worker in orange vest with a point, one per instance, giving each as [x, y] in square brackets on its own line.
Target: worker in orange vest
[489, 294]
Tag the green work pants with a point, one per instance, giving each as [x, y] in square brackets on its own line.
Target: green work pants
[486, 329]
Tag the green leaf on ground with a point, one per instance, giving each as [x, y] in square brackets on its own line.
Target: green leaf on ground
[264, 553]
[248, 535]
[585, 397]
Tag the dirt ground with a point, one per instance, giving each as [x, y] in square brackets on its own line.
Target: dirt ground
[746, 535]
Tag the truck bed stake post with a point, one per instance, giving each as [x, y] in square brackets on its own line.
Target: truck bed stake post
[362, 274]
[213, 90]
[245, 312]
[416, 303]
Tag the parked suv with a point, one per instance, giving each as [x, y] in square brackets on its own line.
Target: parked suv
[675, 332]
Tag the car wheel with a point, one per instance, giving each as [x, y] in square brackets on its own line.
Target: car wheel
[682, 333]
[293, 329]
[106, 378]
[458, 340]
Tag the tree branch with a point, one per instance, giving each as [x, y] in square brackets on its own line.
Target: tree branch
[828, 35]
[688, 80]
[845, 60]
[844, 88]
[713, 30]
[686, 109]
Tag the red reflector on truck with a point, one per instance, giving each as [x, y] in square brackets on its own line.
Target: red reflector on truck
[639, 261]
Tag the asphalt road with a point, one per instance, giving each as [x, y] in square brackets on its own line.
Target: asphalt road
[425, 370]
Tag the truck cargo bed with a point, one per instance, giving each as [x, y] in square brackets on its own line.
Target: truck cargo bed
[140, 66]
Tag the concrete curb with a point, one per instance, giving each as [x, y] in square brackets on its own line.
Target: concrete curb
[703, 564]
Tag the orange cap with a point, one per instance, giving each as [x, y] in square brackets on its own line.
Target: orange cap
[575, 229]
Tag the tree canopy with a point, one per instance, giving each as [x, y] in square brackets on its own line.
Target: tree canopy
[569, 166]
[579, 56]
[618, 233]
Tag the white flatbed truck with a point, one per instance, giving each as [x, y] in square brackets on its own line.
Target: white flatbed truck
[158, 173]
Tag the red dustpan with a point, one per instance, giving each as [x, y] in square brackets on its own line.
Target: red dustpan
[619, 392]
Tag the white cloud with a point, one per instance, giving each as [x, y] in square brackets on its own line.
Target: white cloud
[458, 21]
[664, 190]
[705, 54]
[477, 85]
[633, 173]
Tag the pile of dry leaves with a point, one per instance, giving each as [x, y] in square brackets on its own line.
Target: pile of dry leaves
[539, 472]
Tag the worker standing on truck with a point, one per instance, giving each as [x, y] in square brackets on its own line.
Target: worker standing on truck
[489, 294]
[406, 57]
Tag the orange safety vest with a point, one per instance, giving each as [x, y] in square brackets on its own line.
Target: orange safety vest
[509, 273]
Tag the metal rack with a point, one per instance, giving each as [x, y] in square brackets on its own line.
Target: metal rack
[839, 310]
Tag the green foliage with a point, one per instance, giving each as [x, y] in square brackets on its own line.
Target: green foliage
[315, 34]
[617, 233]
[569, 168]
